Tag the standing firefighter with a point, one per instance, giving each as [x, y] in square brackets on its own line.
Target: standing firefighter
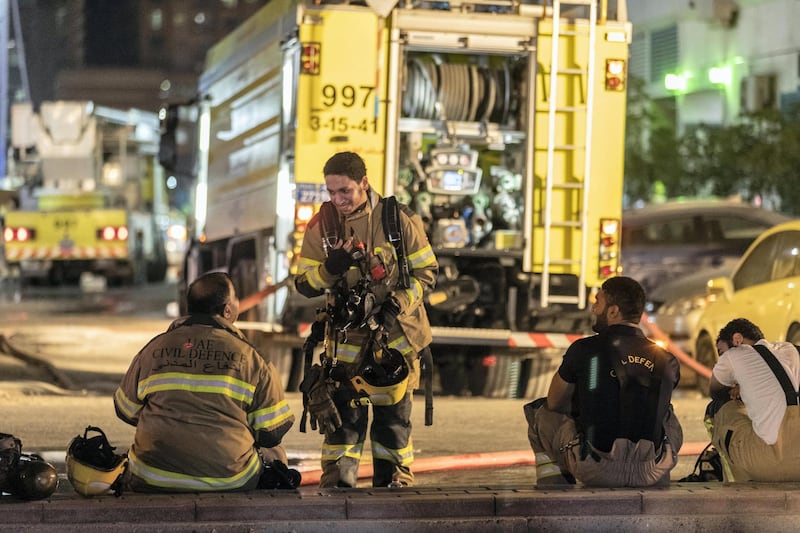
[372, 259]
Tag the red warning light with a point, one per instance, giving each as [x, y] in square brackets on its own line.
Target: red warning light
[309, 59]
[615, 74]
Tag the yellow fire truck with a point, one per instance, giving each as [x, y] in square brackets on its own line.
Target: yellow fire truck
[501, 123]
[91, 196]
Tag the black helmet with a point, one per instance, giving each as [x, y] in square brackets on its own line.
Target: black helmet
[34, 478]
[10, 452]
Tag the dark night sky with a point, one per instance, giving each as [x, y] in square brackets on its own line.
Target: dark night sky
[110, 30]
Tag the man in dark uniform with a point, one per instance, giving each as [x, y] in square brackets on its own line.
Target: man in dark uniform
[607, 419]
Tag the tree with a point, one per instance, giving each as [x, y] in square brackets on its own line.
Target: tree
[651, 147]
[757, 156]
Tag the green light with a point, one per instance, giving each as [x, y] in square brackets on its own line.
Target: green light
[720, 75]
[675, 82]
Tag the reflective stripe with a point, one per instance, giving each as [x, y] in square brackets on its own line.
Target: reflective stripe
[347, 353]
[547, 470]
[126, 406]
[311, 268]
[215, 384]
[422, 258]
[414, 292]
[334, 452]
[402, 457]
[270, 417]
[173, 480]
[402, 345]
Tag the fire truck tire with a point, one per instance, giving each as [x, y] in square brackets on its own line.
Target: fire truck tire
[536, 372]
[495, 376]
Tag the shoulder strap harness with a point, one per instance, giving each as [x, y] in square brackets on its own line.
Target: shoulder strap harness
[792, 396]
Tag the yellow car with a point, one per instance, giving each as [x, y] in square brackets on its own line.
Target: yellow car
[764, 287]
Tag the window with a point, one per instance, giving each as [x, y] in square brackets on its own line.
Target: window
[156, 20]
[757, 267]
[733, 228]
[787, 259]
[669, 232]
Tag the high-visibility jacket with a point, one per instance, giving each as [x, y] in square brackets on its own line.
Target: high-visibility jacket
[202, 399]
[413, 332]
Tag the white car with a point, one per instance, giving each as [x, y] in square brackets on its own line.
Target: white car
[675, 307]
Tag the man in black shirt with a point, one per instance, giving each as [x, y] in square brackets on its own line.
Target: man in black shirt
[607, 419]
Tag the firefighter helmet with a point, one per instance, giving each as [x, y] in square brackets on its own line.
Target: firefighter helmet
[92, 466]
[383, 377]
[33, 478]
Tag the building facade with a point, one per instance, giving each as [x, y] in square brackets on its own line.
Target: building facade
[125, 53]
[712, 60]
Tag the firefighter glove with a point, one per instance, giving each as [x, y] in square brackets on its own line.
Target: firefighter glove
[338, 261]
[317, 400]
[388, 314]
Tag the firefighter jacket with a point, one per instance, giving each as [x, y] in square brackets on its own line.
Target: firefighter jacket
[202, 399]
[412, 332]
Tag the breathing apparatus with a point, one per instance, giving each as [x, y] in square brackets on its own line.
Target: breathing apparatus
[24, 475]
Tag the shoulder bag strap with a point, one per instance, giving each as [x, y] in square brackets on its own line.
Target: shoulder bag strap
[780, 373]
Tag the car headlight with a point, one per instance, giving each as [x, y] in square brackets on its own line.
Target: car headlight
[684, 306]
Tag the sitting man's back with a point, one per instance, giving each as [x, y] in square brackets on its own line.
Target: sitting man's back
[757, 426]
[203, 401]
[607, 419]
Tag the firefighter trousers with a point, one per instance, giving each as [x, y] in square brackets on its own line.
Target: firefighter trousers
[557, 445]
[746, 454]
[390, 440]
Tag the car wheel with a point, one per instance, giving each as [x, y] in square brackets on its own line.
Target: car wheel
[706, 352]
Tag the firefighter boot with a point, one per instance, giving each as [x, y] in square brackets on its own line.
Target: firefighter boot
[548, 472]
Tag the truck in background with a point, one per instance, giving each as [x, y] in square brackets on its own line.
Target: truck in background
[501, 123]
[91, 196]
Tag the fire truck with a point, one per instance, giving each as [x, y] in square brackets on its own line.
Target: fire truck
[501, 123]
[91, 194]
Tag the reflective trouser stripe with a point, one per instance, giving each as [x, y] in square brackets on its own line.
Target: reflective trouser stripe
[334, 452]
[402, 457]
[158, 477]
[546, 467]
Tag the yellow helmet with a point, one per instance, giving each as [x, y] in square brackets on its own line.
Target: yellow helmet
[383, 378]
[92, 466]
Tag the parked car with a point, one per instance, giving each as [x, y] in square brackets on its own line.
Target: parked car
[675, 307]
[662, 242]
[764, 287]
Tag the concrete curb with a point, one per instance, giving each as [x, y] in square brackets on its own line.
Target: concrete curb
[697, 506]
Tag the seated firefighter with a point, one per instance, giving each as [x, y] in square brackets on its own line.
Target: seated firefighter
[209, 410]
[607, 420]
[756, 418]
